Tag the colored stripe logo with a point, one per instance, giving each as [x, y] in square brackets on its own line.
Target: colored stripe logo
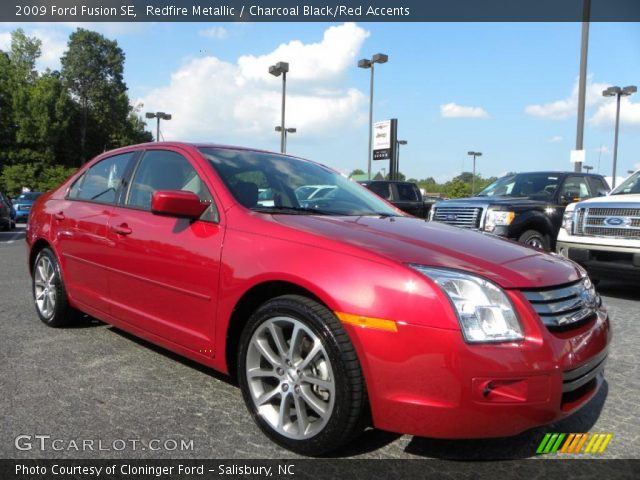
[574, 443]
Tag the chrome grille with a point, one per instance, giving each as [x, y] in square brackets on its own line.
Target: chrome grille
[468, 217]
[596, 222]
[559, 307]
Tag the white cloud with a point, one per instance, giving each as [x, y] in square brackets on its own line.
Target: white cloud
[556, 139]
[604, 107]
[636, 166]
[606, 113]
[226, 102]
[603, 149]
[215, 33]
[453, 110]
[54, 43]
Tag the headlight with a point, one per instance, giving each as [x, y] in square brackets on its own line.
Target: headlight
[498, 218]
[484, 311]
[567, 221]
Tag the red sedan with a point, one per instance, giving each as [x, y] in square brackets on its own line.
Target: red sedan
[332, 311]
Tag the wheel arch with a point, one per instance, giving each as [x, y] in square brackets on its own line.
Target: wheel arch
[36, 248]
[248, 303]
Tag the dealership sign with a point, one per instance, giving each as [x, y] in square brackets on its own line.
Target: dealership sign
[382, 140]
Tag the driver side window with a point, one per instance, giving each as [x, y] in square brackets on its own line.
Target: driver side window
[576, 187]
[165, 170]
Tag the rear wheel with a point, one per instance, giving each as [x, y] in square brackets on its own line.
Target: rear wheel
[49, 294]
[300, 377]
[535, 239]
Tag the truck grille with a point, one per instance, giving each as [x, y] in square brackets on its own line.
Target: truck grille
[608, 222]
[566, 306]
[467, 217]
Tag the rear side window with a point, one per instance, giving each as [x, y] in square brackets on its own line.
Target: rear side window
[101, 182]
[380, 189]
[576, 186]
[598, 186]
[407, 192]
[165, 170]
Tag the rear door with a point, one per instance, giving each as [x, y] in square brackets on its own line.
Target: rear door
[81, 222]
[165, 278]
[408, 199]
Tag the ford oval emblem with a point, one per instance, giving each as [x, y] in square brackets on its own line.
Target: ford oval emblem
[452, 217]
[617, 221]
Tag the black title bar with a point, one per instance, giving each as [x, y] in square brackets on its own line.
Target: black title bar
[317, 11]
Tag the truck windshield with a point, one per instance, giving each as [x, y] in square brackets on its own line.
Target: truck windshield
[279, 184]
[630, 185]
[533, 185]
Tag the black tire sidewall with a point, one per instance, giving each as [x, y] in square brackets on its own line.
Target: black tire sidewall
[526, 237]
[332, 434]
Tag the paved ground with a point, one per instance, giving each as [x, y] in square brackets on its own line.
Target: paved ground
[98, 383]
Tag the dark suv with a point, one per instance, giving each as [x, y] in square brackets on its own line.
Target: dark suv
[527, 207]
[403, 195]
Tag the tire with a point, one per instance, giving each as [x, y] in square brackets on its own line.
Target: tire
[324, 392]
[49, 295]
[535, 239]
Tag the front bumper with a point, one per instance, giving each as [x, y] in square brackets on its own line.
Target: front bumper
[603, 260]
[428, 382]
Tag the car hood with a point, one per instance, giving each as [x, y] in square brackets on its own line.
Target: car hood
[412, 240]
[506, 201]
[621, 198]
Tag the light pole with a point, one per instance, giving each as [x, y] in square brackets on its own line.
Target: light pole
[473, 179]
[588, 168]
[398, 143]
[582, 82]
[276, 70]
[366, 63]
[287, 131]
[617, 92]
[159, 116]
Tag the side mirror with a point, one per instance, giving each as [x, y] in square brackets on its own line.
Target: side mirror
[570, 197]
[602, 193]
[177, 203]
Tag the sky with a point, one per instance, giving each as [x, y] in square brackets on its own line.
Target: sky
[508, 90]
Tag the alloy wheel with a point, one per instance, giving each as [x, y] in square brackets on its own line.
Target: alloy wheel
[45, 288]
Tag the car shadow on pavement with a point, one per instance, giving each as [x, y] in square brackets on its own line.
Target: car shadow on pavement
[520, 446]
[176, 357]
[619, 289]
[86, 321]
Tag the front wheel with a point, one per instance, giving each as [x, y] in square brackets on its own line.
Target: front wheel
[535, 239]
[300, 377]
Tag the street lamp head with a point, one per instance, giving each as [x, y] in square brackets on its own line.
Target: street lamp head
[278, 68]
[164, 116]
[364, 63]
[626, 91]
[611, 92]
[402, 142]
[380, 58]
[278, 128]
[291, 130]
[150, 115]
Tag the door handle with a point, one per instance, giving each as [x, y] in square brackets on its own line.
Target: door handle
[122, 229]
[58, 216]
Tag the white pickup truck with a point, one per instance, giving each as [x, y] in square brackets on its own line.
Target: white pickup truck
[603, 233]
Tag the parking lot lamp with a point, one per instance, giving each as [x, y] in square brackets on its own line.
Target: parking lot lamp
[473, 179]
[369, 63]
[617, 92]
[159, 116]
[287, 131]
[276, 70]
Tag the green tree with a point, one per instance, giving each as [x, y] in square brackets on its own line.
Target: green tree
[456, 188]
[92, 70]
[24, 53]
[357, 171]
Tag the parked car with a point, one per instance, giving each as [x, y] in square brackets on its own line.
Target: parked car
[403, 195]
[328, 314]
[526, 207]
[7, 213]
[603, 234]
[22, 204]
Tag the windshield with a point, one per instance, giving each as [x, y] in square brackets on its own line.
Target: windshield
[630, 185]
[536, 185]
[272, 183]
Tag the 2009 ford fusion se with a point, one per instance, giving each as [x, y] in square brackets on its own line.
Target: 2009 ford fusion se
[333, 312]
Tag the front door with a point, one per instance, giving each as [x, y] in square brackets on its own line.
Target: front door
[165, 279]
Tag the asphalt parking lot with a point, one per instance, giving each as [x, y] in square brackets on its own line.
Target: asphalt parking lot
[96, 382]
